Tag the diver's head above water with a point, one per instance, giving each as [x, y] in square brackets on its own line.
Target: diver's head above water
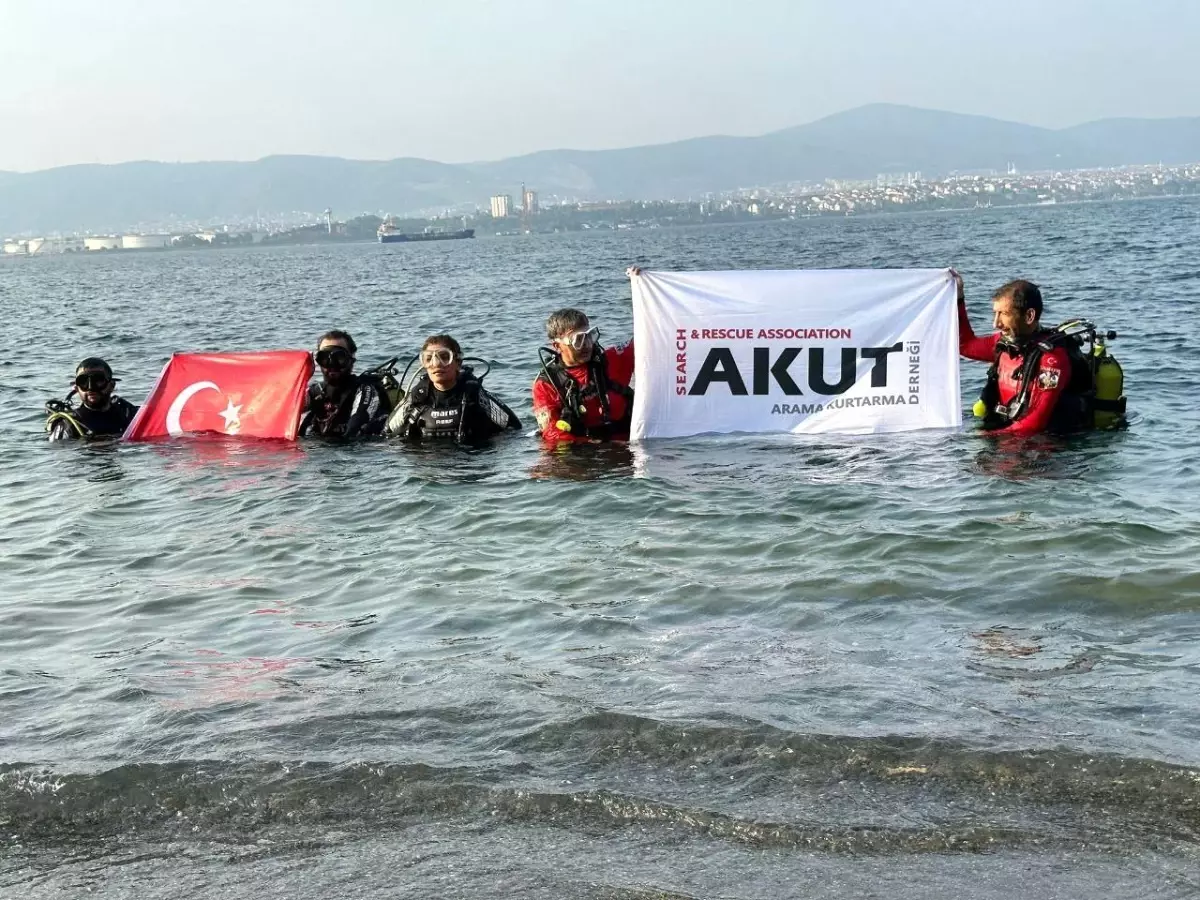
[335, 355]
[1017, 308]
[441, 357]
[94, 383]
[572, 335]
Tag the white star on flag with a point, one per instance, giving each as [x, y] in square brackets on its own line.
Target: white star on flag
[232, 416]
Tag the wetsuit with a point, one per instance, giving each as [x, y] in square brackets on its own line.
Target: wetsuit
[356, 407]
[108, 422]
[1056, 387]
[467, 412]
[594, 398]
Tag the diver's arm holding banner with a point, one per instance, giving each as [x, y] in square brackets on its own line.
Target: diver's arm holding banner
[982, 349]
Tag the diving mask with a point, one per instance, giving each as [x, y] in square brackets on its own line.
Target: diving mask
[92, 381]
[334, 358]
[578, 340]
[443, 355]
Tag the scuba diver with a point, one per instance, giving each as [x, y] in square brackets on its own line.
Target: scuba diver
[346, 405]
[101, 413]
[582, 392]
[1041, 379]
[447, 400]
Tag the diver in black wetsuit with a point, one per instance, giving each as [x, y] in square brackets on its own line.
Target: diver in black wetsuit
[343, 405]
[447, 400]
[101, 413]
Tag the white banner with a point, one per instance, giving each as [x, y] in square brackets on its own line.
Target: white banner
[855, 351]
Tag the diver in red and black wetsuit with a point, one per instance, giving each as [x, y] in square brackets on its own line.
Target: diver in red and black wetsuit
[582, 392]
[1034, 385]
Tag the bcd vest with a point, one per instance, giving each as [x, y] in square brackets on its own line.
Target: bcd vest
[574, 396]
[440, 417]
[330, 415]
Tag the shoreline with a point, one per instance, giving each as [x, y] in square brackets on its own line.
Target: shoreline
[758, 220]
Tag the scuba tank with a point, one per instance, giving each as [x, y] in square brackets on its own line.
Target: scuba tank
[1108, 378]
[384, 375]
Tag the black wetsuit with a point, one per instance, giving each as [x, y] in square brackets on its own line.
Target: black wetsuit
[108, 422]
[355, 407]
[467, 412]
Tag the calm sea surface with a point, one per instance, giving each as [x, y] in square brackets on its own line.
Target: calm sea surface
[910, 666]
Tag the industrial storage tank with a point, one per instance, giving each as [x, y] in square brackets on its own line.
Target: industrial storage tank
[145, 241]
[55, 245]
[102, 243]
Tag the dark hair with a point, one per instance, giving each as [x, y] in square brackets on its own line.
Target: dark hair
[443, 340]
[92, 363]
[1024, 295]
[339, 335]
[562, 321]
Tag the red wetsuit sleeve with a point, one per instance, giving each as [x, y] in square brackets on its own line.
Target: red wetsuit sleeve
[1053, 375]
[620, 363]
[970, 346]
[547, 409]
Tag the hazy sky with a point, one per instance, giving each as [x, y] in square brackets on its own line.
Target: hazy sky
[114, 80]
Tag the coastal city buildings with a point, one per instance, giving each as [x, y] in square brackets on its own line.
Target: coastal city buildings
[886, 193]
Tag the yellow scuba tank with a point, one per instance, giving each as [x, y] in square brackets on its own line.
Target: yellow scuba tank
[392, 388]
[1109, 402]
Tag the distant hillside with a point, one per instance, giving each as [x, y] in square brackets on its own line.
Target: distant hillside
[858, 143]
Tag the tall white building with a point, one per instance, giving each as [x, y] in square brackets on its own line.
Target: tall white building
[529, 201]
[501, 206]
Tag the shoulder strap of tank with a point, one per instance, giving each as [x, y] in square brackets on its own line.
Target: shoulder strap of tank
[470, 386]
[555, 372]
[1029, 366]
[604, 385]
[420, 388]
[600, 362]
[128, 410]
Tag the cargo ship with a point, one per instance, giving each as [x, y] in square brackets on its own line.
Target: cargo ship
[390, 234]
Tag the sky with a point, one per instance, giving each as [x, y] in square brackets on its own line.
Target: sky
[466, 80]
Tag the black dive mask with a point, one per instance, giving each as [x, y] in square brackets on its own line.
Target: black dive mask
[337, 359]
[93, 381]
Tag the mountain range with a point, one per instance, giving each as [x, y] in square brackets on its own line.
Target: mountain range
[858, 143]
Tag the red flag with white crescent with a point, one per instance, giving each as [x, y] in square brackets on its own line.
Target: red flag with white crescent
[257, 395]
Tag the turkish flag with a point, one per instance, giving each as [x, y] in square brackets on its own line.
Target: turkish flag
[249, 394]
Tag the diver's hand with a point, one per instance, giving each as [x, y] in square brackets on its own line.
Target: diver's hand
[962, 296]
